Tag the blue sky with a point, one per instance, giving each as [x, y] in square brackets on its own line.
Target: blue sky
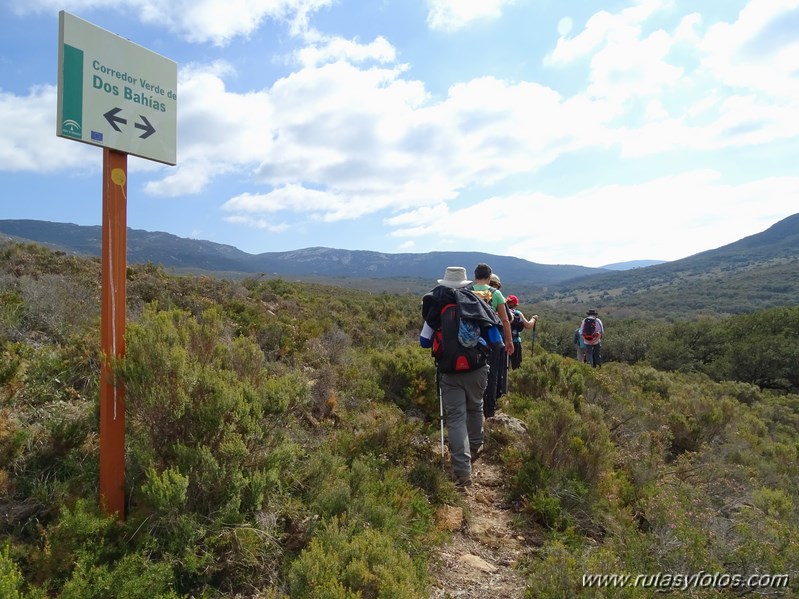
[559, 132]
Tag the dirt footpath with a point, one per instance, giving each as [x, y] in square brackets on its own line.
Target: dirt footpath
[481, 559]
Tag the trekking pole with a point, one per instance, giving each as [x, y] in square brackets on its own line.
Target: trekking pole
[440, 416]
[532, 346]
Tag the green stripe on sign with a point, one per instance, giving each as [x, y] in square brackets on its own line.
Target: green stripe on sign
[72, 93]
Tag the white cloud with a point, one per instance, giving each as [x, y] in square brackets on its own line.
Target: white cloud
[688, 29]
[760, 50]
[732, 85]
[451, 15]
[197, 21]
[665, 218]
[191, 177]
[228, 128]
[350, 133]
[29, 141]
[583, 44]
[218, 131]
[257, 223]
[423, 215]
[605, 28]
[624, 63]
[290, 197]
[373, 141]
[630, 67]
[336, 49]
[737, 121]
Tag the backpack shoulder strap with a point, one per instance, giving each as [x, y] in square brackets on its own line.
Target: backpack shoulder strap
[487, 295]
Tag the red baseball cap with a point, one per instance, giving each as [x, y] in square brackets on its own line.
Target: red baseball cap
[512, 299]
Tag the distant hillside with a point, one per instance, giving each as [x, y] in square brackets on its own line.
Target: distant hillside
[756, 272]
[316, 263]
[632, 264]
[143, 246]
[344, 263]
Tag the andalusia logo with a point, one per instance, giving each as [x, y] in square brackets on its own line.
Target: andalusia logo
[71, 128]
[72, 93]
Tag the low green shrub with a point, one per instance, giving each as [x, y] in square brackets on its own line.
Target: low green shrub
[133, 576]
[346, 560]
[548, 374]
[407, 377]
[559, 476]
[382, 429]
[10, 576]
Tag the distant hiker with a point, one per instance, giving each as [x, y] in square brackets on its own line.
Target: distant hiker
[592, 331]
[518, 323]
[463, 333]
[499, 360]
[580, 343]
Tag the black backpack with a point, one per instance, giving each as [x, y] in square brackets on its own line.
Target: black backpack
[516, 324]
[449, 351]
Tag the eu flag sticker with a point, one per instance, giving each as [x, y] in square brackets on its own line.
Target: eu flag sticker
[97, 136]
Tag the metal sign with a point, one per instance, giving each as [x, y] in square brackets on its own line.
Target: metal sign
[114, 93]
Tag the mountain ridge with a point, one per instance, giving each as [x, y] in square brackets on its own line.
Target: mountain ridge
[627, 265]
[755, 272]
[183, 253]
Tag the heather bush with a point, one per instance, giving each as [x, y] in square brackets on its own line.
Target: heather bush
[87, 555]
[347, 560]
[765, 538]
[545, 374]
[762, 349]
[190, 384]
[561, 571]
[282, 441]
[368, 490]
[407, 377]
[204, 417]
[57, 306]
[47, 432]
[357, 382]
[385, 431]
[559, 474]
[10, 576]
[12, 311]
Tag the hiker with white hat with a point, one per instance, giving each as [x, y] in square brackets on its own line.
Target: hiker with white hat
[462, 332]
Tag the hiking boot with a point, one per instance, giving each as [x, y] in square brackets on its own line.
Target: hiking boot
[463, 481]
[475, 452]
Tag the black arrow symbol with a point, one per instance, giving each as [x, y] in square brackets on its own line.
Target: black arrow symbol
[113, 119]
[148, 128]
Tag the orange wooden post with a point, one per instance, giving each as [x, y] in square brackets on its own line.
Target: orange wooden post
[112, 331]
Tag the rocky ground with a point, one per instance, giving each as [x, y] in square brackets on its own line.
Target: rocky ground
[486, 554]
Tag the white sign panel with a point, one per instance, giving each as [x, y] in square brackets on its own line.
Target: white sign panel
[114, 93]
